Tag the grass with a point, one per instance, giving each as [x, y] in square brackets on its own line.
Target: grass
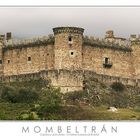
[10, 111]
[73, 110]
[99, 113]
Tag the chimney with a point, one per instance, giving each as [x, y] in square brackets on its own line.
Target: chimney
[8, 36]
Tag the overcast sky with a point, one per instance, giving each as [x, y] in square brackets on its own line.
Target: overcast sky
[32, 22]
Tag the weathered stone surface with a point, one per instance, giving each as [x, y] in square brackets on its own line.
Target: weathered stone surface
[67, 57]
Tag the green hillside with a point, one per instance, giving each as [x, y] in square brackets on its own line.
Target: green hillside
[37, 100]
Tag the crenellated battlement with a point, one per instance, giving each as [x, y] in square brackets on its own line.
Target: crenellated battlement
[104, 43]
[67, 58]
[58, 30]
[45, 40]
[135, 39]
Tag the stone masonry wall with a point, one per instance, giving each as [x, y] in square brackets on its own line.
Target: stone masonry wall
[66, 63]
[122, 61]
[66, 79]
[16, 61]
[136, 60]
[69, 80]
[1, 61]
[63, 57]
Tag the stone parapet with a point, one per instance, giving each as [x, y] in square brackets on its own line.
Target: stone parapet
[103, 43]
[59, 30]
[29, 42]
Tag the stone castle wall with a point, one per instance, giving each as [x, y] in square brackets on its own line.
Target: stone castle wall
[111, 79]
[136, 59]
[121, 61]
[69, 80]
[16, 61]
[65, 61]
[65, 79]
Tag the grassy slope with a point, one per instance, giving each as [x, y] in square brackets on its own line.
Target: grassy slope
[9, 111]
[99, 113]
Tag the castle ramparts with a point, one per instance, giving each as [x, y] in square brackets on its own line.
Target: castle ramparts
[68, 57]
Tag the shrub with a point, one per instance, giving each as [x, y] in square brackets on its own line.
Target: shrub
[118, 86]
[50, 102]
[9, 94]
[23, 95]
[121, 100]
[2, 116]
[28, 116]
[52, 96]
[27, 95]
[73, 96]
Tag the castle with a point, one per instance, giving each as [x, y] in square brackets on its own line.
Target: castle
[67, 57]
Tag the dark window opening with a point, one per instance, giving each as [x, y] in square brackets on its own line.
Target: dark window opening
[0, 61]
[107, 63]
[70, 38]
[29, 58]
[106, 60]
[72, 53]
[8, 61]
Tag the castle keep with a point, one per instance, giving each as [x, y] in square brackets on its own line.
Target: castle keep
[68, 57]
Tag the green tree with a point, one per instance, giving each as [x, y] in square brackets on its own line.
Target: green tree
[9, 94]
[51, 102]
[27, 95]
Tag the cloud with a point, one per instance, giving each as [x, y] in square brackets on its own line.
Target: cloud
[35, 21]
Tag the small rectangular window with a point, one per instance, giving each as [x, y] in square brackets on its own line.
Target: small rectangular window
[71, 53]
[70, 38]
[8, 61]
[29, 58]
[107, 63]
[106, 60]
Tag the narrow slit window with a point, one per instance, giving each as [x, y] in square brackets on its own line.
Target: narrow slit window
[29, 58]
